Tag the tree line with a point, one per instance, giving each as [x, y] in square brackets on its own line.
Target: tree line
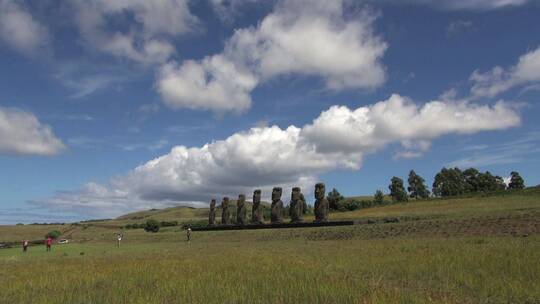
[447, 183]
[452, 182]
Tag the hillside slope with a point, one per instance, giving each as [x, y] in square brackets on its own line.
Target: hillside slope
[508, 212]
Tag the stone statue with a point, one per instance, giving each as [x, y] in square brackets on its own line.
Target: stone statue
[212, 213]
[321, 204]
[241, 210]
[225, 215]
[277, 205]
[296, 206]
[256, 211]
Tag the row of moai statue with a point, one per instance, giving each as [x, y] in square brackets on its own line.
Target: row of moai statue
[297, 207]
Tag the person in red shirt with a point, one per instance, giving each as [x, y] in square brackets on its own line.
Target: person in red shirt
[48, 243]
[25, 245]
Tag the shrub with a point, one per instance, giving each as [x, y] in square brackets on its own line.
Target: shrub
[53, 234]
[169, 224]
[135, 226]
[367, 204]
[334, 198]
[341, 205]
[378, 198]
[352, 205]
[194, 223]
[152, 226]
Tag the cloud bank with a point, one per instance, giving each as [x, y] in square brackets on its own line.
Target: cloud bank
[263, 157]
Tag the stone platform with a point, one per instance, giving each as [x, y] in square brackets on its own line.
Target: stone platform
[273, 226]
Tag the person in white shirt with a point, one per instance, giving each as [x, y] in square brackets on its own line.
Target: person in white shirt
[119, 237]
[188, 233]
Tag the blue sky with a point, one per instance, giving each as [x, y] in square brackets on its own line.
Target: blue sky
[109, 107]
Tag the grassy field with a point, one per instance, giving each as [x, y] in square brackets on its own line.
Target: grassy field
[466, 250]
[427, 270]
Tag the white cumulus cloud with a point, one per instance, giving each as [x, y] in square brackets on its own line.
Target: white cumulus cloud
[19, 29]
[311, 38]
[22, 133]
[499, 79]
[398, 119]
[263, 157]
[145, 37]
[214, 83]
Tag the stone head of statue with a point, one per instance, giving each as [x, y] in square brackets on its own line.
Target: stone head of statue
[276, 193]
[213, 203]
[320, 191]
[241, 200]
[296, 194]
[256, 196]
[225, 202]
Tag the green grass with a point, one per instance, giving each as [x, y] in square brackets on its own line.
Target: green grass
[481, 249]
[426, 270]
[511, 203]
[31, 232]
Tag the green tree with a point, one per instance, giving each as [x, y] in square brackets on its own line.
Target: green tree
[152, 226]
[516, 181]
[449, 182]
[378, 198]
[476, 181]
[500, 183]
[471, 179]
[397, 190]
[488, 183]
[334, 197]
[417, 188]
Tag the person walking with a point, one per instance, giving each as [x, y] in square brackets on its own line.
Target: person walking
[48, 243]
[188, 234]
[25, 245]
[119, 237]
